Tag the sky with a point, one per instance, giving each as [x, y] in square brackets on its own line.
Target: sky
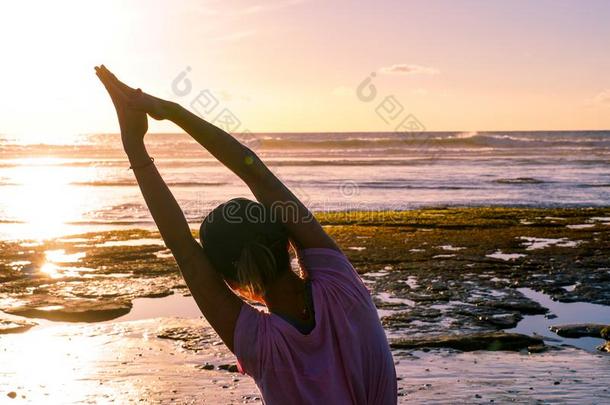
[303, 65]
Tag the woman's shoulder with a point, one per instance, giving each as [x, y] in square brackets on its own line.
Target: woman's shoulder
[328, 264]
[322, 258]
[333, 275]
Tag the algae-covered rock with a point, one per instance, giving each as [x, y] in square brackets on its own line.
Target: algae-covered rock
[470, 342]
[75, 310]
[191, 338]
[580, 330]
[457, 288]
[502, 321]
[605, 333]
[537, 349]
[525, 307]
[397, 320]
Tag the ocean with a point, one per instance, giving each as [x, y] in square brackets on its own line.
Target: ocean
[68, 187]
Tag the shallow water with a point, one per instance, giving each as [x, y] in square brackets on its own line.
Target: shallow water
[125, 362]
[132, 242]
[175, 305]
[113, 360]
[568, 376]
[567, 313]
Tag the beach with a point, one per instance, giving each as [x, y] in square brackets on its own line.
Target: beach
[127, 330]
[473, 245]
[457, 153]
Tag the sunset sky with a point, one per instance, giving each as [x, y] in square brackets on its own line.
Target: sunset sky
[290, 65]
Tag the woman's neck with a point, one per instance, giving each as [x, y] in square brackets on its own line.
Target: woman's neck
[287, 296]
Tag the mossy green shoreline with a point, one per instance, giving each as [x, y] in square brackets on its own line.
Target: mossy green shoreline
[459, 240]
[430, 273]
[427, 258]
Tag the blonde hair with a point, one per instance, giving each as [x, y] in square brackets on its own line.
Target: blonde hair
[256, 268]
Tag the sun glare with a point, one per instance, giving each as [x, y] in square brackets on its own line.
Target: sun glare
[48, 51]
[50, 269]
[43, 200]
[53, 257]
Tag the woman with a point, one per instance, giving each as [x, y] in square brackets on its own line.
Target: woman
[321, 341]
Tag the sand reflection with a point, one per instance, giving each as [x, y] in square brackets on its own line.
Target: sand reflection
[118, 363]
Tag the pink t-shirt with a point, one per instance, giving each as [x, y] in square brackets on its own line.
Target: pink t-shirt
[345, 359]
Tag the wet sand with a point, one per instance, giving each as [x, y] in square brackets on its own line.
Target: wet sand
[118, 362]
[126, 362]
[106, 307]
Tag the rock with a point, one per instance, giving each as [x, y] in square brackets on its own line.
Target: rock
[107, 287]
[192, 338]
[470, 342]
[206, 366]
[14, 326]
[76, 310]
[605, 333]
[536, 349]
[425, 313]
[461, 287]
[501, 321]
[399, 319]
[525, 306]
[231, 368]
[579, 330]
[605, 347]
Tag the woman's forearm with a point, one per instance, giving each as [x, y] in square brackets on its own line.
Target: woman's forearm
[161, 203]
[224, 147]
[302, 226]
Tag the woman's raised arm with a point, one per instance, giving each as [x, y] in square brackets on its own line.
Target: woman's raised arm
[217, 302]
[302, 226]
[304, 229]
